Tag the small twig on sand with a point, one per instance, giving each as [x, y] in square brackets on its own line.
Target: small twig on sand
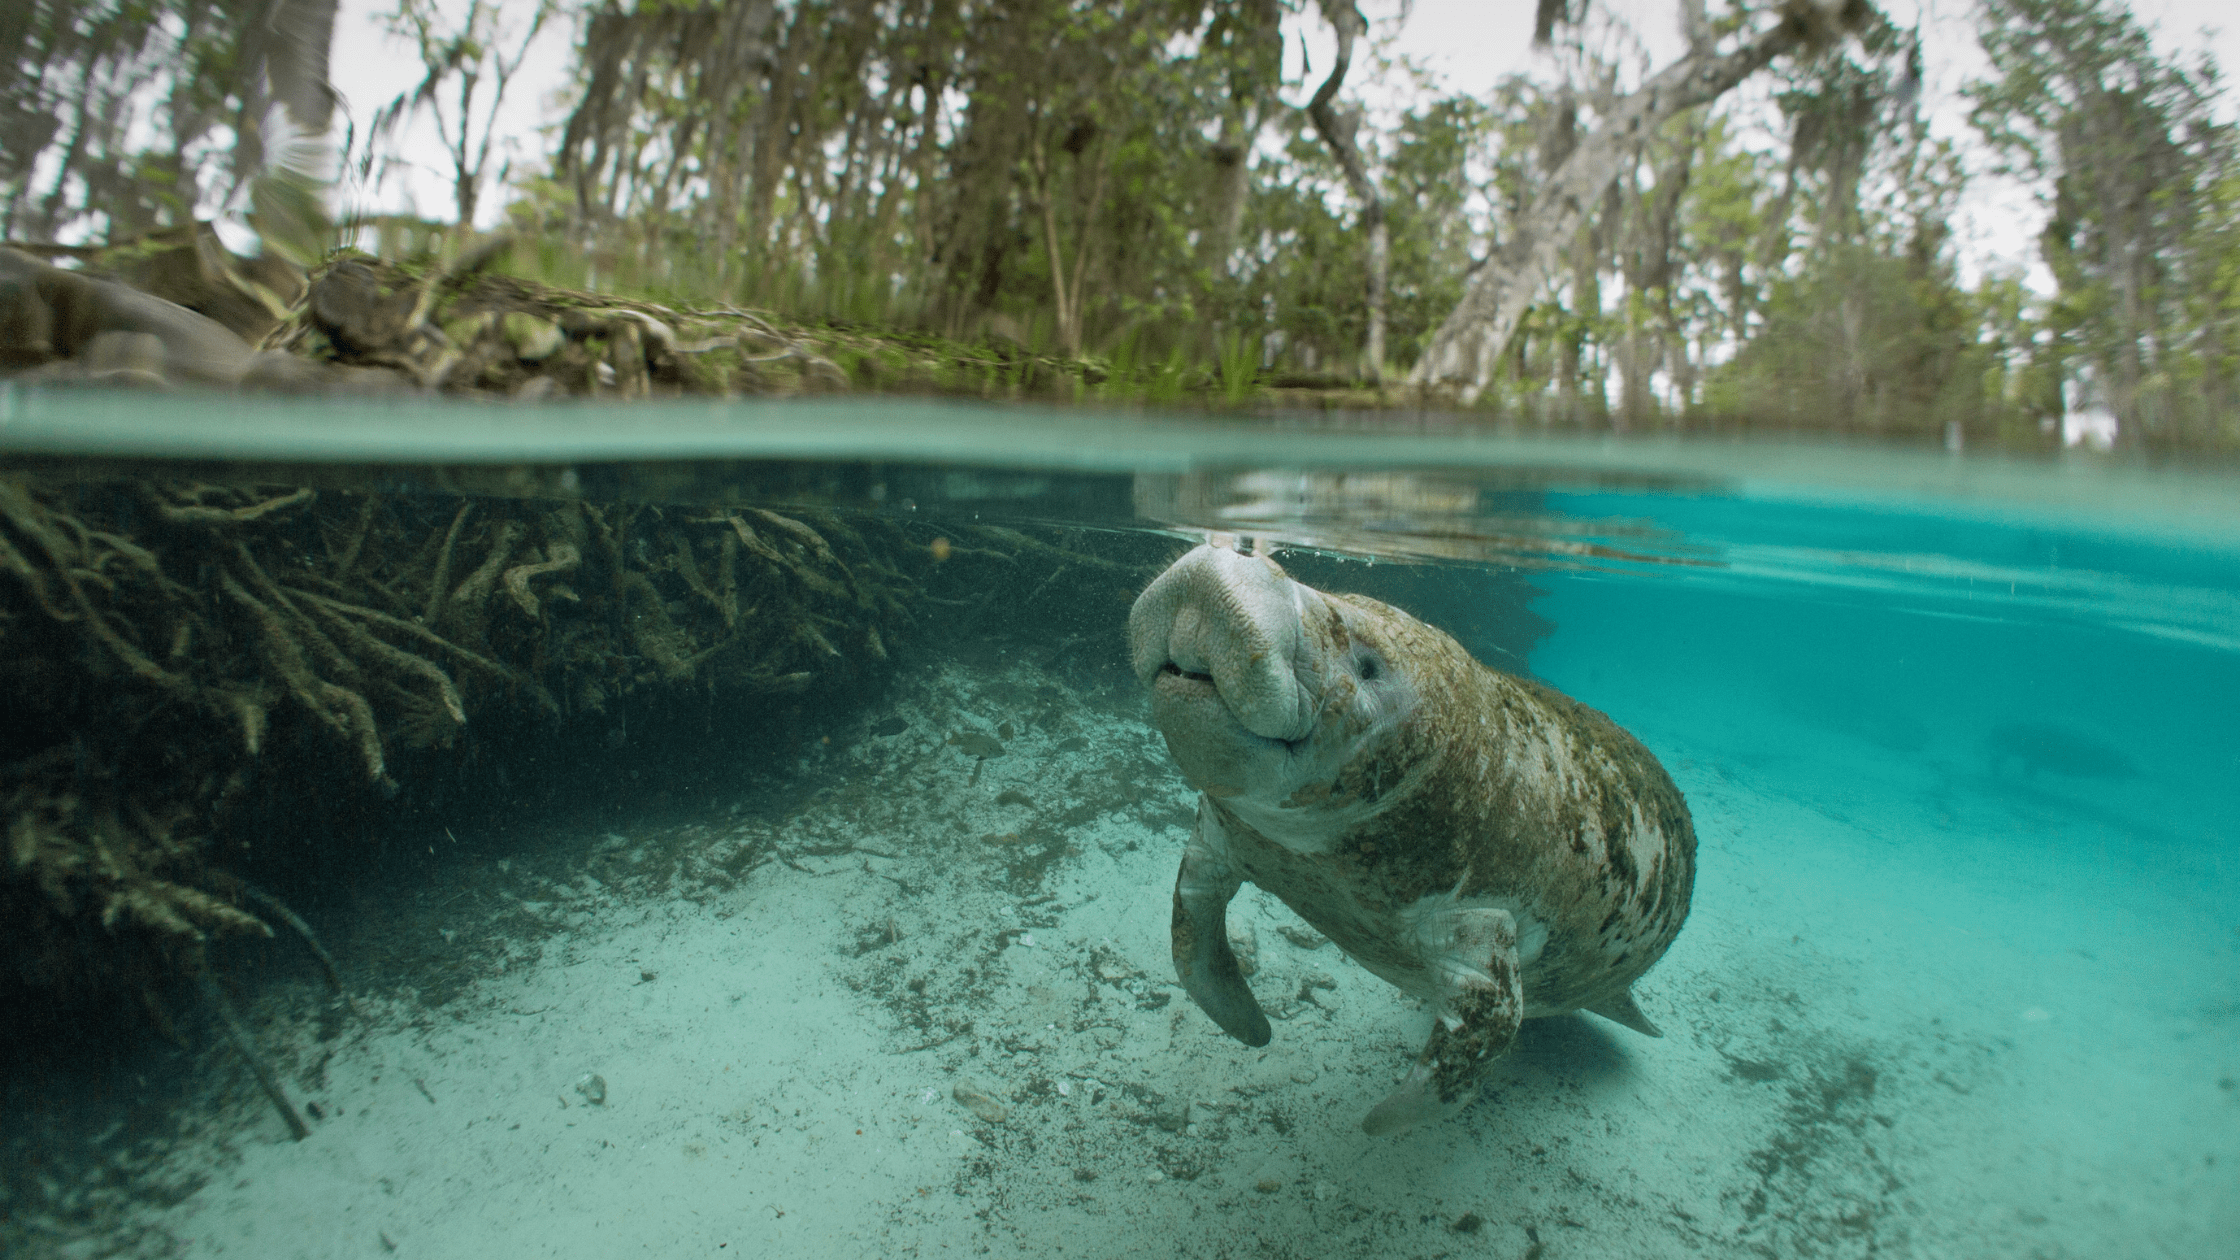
[239, 1036]
[939, 1041]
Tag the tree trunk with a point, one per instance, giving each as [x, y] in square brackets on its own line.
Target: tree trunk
[1653, 232]
[1338, 134]
[742, 67]
[1232, 179]
[1467, 347]
[1066, 295]
[1255, 66]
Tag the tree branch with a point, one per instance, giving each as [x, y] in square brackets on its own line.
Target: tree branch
[1468, 347]
[1338, 135]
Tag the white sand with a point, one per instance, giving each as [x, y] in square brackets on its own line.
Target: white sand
[1887, 1033]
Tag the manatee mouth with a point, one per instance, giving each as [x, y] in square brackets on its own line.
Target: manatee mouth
[1190, 684]
[1171, 668]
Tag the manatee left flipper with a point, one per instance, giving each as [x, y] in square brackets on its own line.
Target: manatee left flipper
[1472, 953]
[1203, 960]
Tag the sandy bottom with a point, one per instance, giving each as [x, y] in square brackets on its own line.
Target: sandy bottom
[930, 1012]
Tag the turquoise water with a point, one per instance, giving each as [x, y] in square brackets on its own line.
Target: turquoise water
[1961, 977]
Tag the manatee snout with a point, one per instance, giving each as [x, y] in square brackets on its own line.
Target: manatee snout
[1222, 631]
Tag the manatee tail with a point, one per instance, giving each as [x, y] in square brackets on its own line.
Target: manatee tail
[1622, 1010]
[1414, 1103]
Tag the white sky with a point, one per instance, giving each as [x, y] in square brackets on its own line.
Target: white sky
[1468, 44]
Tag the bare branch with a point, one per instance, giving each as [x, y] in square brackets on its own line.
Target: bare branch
[1465, 350]
[1338, 134]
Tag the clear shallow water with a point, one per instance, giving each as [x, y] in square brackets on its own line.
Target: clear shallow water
[1962, 975]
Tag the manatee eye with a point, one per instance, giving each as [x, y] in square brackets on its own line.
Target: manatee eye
[1369, 668]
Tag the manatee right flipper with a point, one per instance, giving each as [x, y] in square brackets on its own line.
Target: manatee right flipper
[1202, 958]
[1472, 953]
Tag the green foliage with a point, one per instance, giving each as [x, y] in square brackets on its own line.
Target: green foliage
[1846, 310]
[1240, 367]
[2142, 235]
[1120, 200]
[1865, 342]
[119, 117]
[1298, 273]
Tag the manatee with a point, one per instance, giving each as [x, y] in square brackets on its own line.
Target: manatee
[1474, 838]
[2032, 747]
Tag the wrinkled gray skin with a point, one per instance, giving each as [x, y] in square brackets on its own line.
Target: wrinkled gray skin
[1476, 839]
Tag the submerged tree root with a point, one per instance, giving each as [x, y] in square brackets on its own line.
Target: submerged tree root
[200, 647]
[278, 909]
[222, 1007]
[181, 664]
